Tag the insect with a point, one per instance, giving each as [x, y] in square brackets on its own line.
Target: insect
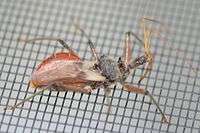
[66, 71]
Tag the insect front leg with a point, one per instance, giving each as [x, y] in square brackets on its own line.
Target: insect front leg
[127, 50]
[61, 41]
[147, 32]
[125, 63]
[148, 56]
[147, 49]
[137, 90]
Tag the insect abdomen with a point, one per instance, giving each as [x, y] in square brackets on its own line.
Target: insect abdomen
[47, 63]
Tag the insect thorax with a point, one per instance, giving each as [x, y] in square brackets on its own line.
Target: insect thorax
[108, 68]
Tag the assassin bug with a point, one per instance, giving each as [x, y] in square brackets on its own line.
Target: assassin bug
[65, 71]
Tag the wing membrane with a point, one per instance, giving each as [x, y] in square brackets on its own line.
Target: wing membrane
[80, 71]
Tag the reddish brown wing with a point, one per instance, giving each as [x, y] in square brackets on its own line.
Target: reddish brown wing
[64, 68]
[58, 56]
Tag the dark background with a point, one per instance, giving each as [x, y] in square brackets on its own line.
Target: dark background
[174, 80]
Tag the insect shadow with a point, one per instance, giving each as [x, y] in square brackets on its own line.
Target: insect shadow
[66, 71]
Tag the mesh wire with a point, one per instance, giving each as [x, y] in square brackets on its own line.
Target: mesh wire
[174, 80]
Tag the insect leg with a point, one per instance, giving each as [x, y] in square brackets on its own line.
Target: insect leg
[127, 50]
[147, 70]
[27, 99]
[137, 90]
[147, 50]
[61, 41]
[107, 91]
[146, 58]
[90, 43]
[126, 63]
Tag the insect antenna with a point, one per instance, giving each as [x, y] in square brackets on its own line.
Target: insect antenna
[25, 100]
[90, 43]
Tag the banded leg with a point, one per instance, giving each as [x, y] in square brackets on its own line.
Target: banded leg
[137, 90]
[61, 41]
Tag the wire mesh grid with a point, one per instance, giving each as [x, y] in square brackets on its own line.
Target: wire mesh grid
[174, 80]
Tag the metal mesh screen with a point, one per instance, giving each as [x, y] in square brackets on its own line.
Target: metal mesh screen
[174, 80]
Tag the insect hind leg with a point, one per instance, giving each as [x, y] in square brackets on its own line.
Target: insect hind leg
[137, 90]
[27, 99]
